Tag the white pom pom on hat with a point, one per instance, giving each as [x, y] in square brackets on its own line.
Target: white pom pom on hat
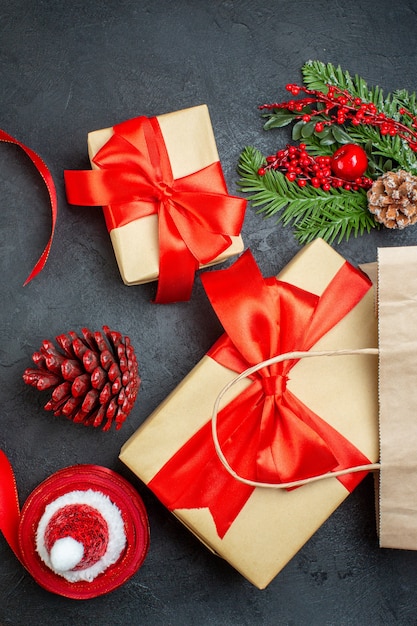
[65, 554]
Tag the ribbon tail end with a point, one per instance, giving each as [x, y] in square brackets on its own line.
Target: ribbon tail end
[39, 265]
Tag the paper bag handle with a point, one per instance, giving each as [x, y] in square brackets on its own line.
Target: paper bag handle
[252, 370]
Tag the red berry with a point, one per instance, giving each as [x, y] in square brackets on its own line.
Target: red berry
[349, 162]
[319, 127]
[261, 171]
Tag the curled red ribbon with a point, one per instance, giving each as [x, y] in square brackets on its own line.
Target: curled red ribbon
[9, 505]
[266, 433]
[48, 180]
[196, 216]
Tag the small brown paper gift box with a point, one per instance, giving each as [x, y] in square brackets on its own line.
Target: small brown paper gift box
[273, 525]
[185, 140]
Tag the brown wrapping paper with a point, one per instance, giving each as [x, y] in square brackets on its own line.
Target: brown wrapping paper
[274, 524]
[191, 146]
[397, 320]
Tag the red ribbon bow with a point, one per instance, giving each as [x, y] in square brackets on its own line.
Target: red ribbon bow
[266, 433]
[196, 216]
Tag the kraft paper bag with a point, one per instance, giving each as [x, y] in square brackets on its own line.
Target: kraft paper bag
[397, 322]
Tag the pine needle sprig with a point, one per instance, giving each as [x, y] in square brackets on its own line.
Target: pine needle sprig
[333, 215]
[317, 75]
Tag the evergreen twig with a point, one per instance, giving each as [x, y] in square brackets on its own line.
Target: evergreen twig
[332, 215]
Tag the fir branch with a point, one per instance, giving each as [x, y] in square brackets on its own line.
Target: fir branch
[317, 75]
[333, 215]
[388, 148]
[383, 149]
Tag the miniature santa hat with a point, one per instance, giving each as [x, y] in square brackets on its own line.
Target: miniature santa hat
[81, 533]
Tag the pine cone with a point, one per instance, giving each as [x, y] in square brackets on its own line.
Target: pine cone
[95, 378]
[393, 199]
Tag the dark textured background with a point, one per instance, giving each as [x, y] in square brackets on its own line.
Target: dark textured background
[70, 67]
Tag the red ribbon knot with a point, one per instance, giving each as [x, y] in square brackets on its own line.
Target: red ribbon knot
[274, 385]
[164, 191]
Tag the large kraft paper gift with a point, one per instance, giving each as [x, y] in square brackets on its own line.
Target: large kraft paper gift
[164, 197]
[293, 420]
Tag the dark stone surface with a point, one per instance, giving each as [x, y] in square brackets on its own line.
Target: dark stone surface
[70, 67]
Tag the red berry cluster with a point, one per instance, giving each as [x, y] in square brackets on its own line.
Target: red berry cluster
[302, 168]
[338, 106]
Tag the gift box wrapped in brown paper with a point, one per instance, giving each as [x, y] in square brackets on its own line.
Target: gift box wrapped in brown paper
[164, 197]
[258, 530]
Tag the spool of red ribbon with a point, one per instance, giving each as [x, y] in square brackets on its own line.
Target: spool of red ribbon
[92, 508]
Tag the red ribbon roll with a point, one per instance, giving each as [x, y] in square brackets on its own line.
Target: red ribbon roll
[266, 433]
[196, 216]
[19, 528]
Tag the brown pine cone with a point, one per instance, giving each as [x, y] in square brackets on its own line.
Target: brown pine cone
[94, 378]
[393, 199]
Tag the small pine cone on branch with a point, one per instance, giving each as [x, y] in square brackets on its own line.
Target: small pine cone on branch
[393, 199]
[95, 378]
